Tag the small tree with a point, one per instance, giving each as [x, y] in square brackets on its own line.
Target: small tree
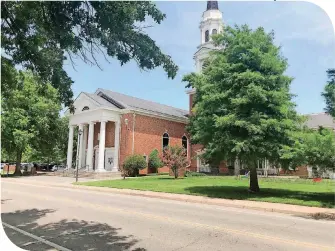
[175, 157]
[315, 148]
[154, 161]
[133, 164]
[329, 93]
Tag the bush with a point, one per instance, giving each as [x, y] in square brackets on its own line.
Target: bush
[175, 158]
[133, 164]
[154, 160]
[194, 174]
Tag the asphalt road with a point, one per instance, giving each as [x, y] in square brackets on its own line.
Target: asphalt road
[58, 218]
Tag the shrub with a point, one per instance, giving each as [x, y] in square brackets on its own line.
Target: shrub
[175, 157]
[194, 174]
[133, 164]
[154, 160]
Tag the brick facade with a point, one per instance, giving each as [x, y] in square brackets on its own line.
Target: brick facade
[148, 135]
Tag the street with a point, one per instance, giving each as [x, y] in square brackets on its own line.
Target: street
[58, 218]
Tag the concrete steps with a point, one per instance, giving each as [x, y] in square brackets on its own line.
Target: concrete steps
[88, 175]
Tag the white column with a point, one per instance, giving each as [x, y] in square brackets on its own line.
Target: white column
[116, 147]
[89, 157]
[70, 147]
[101, 161]
[80, 143]
[83, 146]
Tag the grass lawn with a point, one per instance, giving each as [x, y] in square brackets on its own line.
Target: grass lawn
[298, 192]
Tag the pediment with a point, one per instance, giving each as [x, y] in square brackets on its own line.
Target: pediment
[83, 103]
[202, 51]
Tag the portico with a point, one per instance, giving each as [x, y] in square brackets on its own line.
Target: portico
[97, 148]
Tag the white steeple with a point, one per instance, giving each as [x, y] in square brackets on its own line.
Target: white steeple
[210, 24]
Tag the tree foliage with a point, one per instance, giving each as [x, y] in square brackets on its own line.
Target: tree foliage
[29, 116]
[133, 164]
[40, 36]
[242, 105]
[154, 160]
[329, 93]
[315, 148]
[175, 157]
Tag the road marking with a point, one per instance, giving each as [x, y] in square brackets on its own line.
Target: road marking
[83, 189]
[108, 209]
[49, 243]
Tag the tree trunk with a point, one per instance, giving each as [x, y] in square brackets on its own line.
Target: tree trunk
[18, 163]
[253, 187]
[176, 173]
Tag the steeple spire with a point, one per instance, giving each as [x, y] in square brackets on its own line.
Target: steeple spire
[212, 5]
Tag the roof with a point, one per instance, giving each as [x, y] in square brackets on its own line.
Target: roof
[123, 101]
[101, 101]
[315, 120]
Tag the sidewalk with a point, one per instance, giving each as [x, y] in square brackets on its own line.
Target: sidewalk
[255, 205]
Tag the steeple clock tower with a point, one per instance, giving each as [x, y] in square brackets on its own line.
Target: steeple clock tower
[210, 24]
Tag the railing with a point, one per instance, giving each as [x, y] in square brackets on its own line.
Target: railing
[63, 171]
[81, 170]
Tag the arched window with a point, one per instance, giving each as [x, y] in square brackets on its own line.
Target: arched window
[184, 142]
[206, 35]
[85, 108]
[165, 140]
[214, 32]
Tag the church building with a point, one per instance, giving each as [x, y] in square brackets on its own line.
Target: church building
[115, 125]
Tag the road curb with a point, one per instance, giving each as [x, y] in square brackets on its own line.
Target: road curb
[303, 211]
[212, 201]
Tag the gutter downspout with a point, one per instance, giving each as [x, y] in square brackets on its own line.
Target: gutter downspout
[134, 116]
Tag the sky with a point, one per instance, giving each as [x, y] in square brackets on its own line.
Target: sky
[303, 30]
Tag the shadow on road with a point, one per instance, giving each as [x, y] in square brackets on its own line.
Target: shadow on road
[240, 193]
[72, 234]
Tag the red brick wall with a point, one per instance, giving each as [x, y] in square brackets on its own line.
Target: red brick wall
[299, 171]
[148, 136]
[110, 134]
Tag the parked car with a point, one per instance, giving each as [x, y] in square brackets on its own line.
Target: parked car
[3, 165]
[57, 167]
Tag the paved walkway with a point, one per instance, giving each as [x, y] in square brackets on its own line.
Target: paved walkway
[256, 205]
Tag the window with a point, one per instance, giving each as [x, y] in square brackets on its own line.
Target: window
[206, 36]
[85, 108]
[184, 142]
[214, 32]
[165, 140]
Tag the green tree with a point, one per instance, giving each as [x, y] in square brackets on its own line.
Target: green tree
[242, 105]
[315, 148]
[154, 160]
[40, 36]
[329, 93]
[28, 116]
[54, 147]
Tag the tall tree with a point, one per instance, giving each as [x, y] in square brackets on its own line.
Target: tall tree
[329, 93]
[242, 106]
[41, 35]
[28, 116]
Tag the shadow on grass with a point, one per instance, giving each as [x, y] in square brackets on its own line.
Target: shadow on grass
[73, 234]
[274, 195]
